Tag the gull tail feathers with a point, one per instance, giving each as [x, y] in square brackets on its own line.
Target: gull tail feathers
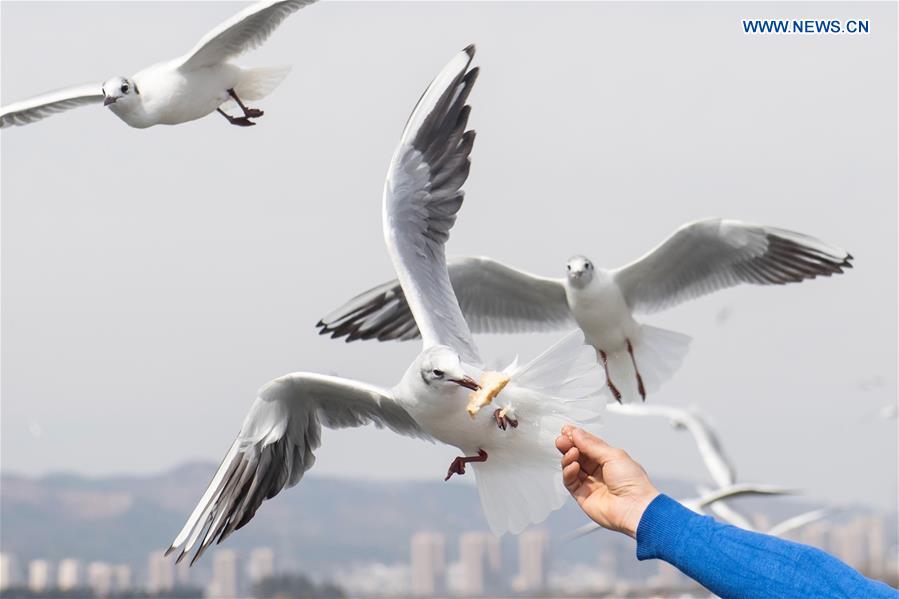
[519, 488]
[520, 484]
[256, 84]
[567, 371]
[658, 353]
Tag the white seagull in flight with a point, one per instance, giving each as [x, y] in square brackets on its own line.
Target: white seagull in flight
[699, 258]
[186, 88]
[720, 467]
[512, 447]
[706, 499]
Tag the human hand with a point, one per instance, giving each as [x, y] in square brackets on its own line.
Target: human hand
[611, 488]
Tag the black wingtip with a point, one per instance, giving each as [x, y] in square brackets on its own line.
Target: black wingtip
[470, 50]
[168, 551]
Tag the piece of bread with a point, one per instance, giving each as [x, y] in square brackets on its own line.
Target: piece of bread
[492, 383]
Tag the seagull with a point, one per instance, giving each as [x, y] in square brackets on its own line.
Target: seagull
[699, 258]
[511, 450]
[724, 512]
[797, 522]
[720, 467]
[696, 504]
[186, 88]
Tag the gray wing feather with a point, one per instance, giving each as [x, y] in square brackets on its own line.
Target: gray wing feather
[276, 446]
[244, 31]
[705, 256]
[40, 107]
[494, 298]
[422, 196]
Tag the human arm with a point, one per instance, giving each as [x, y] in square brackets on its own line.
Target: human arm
[615, 492]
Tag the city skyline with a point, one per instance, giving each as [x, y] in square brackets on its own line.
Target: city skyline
[468, 564]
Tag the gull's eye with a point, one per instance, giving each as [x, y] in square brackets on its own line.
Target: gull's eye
[587, 265]
[124, 88]
[437, 373]
[568, 267]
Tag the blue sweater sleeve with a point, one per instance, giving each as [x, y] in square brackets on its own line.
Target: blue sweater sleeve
[732, 562]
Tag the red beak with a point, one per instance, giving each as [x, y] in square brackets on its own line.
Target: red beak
[467, 382]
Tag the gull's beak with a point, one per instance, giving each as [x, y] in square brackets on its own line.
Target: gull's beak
[109, 100]
[467, 382]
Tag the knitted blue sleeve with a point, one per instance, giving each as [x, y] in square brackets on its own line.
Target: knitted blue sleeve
[732, 562]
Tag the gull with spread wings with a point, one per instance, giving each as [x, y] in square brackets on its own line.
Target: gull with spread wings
[516, 467]
[699, 258]
[186, 88]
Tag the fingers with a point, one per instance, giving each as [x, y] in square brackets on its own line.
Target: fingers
[563, 442]
[570, 476]
[592, 447]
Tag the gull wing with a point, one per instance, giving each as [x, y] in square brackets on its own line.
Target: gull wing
[40, 107]
[422, 195]
[245, 31]
[275, 448]
[494, 298]
[708, 255]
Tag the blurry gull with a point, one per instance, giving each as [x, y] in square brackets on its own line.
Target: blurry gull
[697, 504]
[512, 448]
[797, 522]
[724, 512]
[699, 258]
[707, 442]
[186, 88]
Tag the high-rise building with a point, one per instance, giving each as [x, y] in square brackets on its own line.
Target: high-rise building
[69, 574]
[533, 555]
[877, 546]
[261, 564]
[121, 578]
[9, 571]
[667, 577]
[182, 573]
[479, 554]
[99, 578]
[428, 562]
[39, 575]
[849, 544]
[224, 575]
[816, 534]
[160, 572]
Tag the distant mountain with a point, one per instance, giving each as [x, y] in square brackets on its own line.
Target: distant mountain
[318, 525]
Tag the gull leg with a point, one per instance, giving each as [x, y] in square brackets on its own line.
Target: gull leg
[458, 465]
[605, 366]
[503, 420]
[240, 121]
[640, 387]
[247, 112]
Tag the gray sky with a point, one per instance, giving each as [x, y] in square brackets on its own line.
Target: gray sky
[153, 280]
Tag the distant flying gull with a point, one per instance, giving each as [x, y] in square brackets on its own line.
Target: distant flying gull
[797, 522]
[696, 504]
[183, 89]
[512, 447]
[699, 258]
[707, 442]
[724, 512]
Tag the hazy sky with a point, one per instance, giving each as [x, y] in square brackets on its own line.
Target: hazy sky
[153, 280]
